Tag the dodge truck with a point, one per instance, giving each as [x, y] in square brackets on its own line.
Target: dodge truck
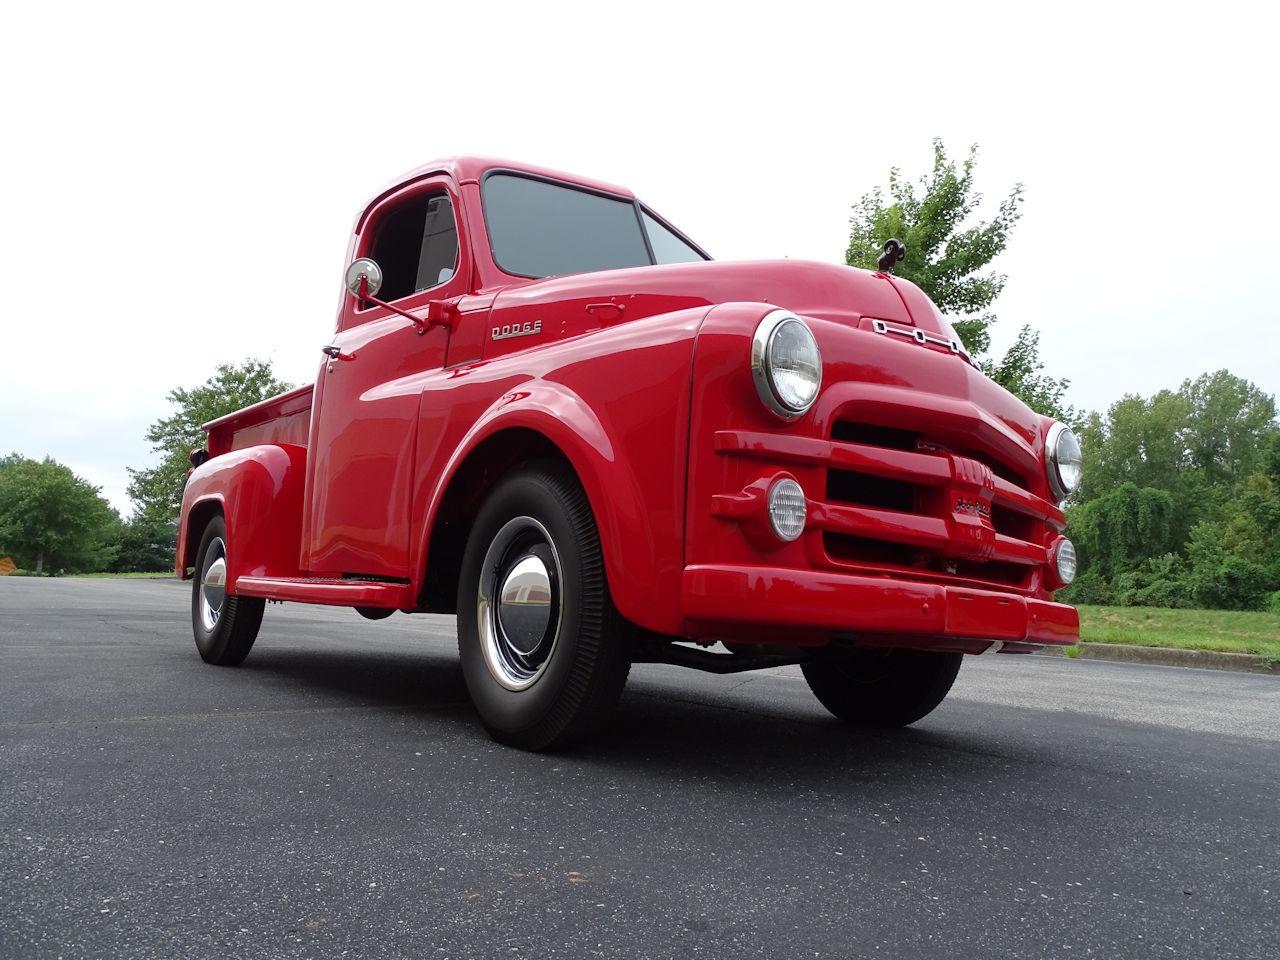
[543, 408]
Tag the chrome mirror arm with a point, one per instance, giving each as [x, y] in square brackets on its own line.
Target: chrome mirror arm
[364, 279]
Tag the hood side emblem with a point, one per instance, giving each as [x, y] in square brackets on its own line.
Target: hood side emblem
[509, 330]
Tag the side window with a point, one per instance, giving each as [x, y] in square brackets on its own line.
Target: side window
[667, 247]
[540, 229]
[416, 244]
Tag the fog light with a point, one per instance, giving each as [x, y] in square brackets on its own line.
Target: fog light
[1064, 561]
[787, 509]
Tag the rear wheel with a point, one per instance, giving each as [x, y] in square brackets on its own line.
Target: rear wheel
[224, 627]
[883, 688]
[544, 653]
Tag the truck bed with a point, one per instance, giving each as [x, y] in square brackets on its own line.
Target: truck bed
[282, 419]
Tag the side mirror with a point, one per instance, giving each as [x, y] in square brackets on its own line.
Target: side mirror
[364, 278]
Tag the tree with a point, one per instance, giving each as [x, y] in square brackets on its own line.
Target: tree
[1269, 456]
[1139, 441]
[1201, 443]
[1212, 449]
[143, 545]
[948, 253]
[157, 491]
[1127, 526]
[1021, 372]
[1228, 422]
[49, 517]
[1249, 526]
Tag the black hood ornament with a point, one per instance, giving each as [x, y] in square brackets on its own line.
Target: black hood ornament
[894, 250]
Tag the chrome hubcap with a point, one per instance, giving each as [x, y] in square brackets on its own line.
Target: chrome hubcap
[524, 605]
[518, 607]
[213, 583]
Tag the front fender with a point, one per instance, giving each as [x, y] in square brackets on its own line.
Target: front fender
[616, 404]
[631, 550]
[259, 492]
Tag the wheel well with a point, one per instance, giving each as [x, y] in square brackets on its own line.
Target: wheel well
[488, 463]
[197, 520]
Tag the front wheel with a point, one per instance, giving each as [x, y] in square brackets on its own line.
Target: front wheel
[544, 653]
[883, 688]
[224, 627]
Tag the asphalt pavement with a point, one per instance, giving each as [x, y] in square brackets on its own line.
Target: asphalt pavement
[335, 796]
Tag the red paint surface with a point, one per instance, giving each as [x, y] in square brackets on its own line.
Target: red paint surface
[640, 378]
[260, 490]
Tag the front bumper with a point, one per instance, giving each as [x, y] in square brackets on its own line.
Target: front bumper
[720, 600]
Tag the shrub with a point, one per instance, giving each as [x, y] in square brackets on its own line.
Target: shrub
[1158, 582]
[1089, 587]
[1118, 531]
[1222, 580]
[143, 545]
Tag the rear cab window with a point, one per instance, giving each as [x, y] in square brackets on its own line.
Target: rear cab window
[538, 228]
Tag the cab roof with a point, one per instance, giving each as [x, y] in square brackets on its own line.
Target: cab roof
[471, 169]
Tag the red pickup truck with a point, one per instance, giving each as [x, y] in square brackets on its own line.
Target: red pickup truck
[545, 409]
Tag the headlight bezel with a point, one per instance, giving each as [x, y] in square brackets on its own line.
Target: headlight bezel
[1052, 465]
[762, 371]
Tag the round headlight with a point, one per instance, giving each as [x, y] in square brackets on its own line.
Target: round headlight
[786, 364]
[787, 509]
[1062, 461]
[1064, 561]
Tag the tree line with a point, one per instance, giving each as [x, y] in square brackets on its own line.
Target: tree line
[1180, 501]
[52, 521]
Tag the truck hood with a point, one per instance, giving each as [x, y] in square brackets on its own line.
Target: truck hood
[823, 290]
[839, 294]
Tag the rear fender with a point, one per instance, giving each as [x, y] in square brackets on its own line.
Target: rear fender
[259, 492]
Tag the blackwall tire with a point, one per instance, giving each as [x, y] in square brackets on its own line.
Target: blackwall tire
[224, 627]
[883, 688]
[544, 653]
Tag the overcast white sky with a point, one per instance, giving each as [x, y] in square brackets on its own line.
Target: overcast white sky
[178, 181]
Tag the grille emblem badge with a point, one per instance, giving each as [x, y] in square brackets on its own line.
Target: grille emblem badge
[918, 335]
[975, 507]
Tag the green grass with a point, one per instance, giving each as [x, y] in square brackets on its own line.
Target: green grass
[1231, 631]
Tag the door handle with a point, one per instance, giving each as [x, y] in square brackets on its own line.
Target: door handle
[335, 353]
[606, 311]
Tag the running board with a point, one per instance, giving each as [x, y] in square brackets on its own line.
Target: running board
[337, 593]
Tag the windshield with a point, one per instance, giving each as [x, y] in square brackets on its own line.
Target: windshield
[541, 229]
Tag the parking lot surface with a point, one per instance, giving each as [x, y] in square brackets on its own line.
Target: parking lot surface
[335, 796]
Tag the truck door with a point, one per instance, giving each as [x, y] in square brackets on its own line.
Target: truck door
[362, 456]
